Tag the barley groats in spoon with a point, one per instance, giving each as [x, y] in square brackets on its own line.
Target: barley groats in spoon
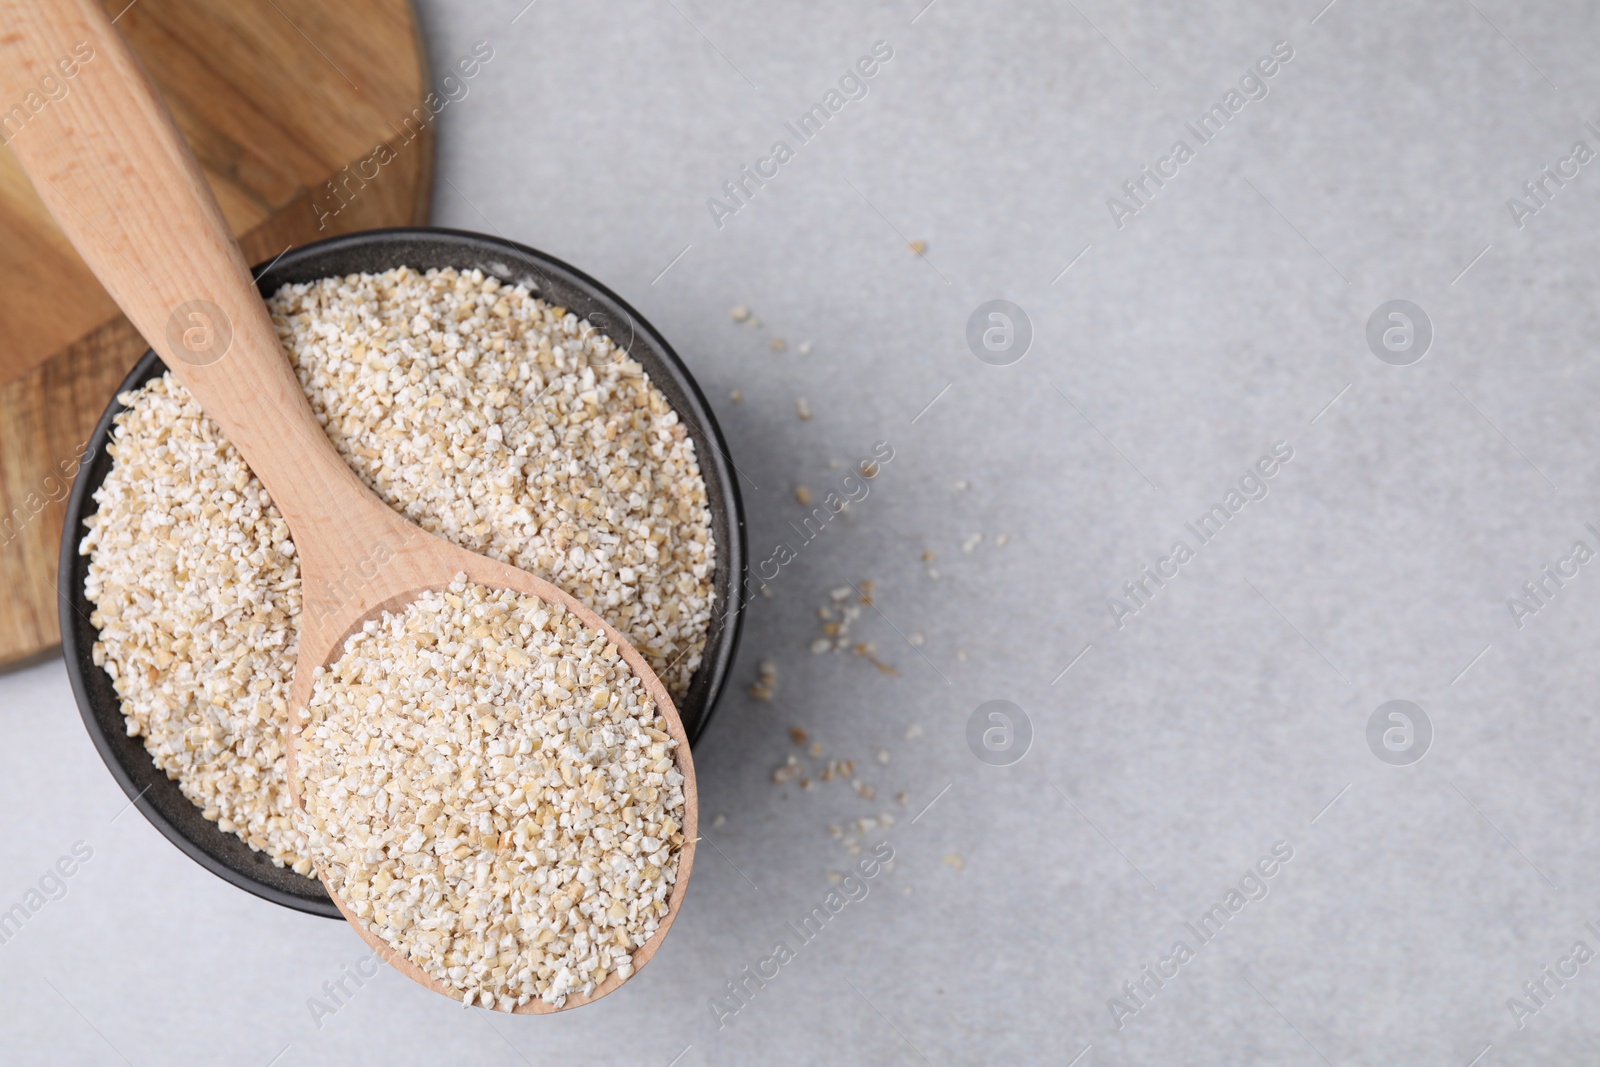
[119, 180]
[493, 792]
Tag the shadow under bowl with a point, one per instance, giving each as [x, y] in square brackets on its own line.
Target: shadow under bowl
[155, 794]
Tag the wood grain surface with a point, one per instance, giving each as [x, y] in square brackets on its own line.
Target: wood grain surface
[277, 98]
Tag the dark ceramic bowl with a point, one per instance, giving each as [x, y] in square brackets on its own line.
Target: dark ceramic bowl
[156, 795]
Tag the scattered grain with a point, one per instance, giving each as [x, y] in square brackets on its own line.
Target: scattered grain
[867, 652]
[766, 684]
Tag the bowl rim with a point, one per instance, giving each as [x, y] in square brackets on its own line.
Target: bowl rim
[527, 266]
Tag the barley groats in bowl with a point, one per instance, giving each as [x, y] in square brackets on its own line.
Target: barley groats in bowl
[485, 415]
[493, 792]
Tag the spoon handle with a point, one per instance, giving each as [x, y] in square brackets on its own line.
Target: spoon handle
[109, 162]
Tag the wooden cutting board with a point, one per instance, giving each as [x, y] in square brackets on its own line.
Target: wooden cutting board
[277, 98]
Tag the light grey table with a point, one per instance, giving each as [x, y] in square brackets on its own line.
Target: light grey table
[1166, 757]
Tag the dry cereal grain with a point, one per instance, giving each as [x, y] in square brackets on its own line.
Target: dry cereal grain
[197, 600]
[485, 415]
[492, 791]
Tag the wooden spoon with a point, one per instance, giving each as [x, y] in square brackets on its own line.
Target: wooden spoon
[110, 164]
